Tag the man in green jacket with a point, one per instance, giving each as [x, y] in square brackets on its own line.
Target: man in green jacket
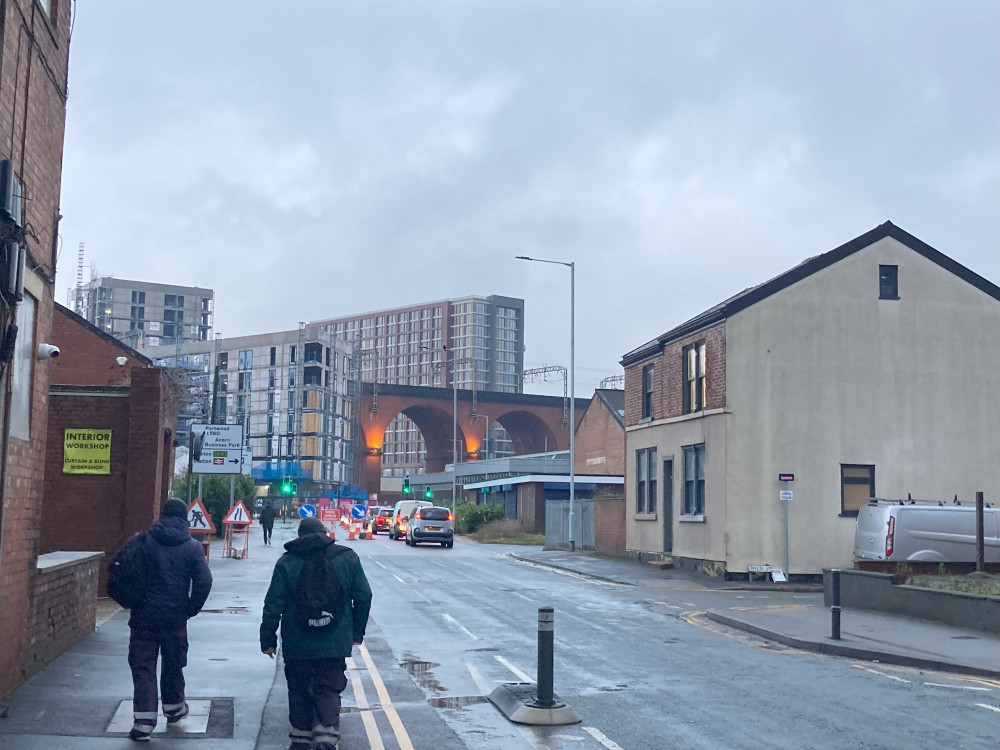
[315, 646]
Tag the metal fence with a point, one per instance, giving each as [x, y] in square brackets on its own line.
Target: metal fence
[557, 523]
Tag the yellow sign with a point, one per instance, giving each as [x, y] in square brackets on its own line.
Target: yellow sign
[86, 451]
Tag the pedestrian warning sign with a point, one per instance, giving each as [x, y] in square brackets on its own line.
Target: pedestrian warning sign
[86, 451]
[237, 514]
[200, 520]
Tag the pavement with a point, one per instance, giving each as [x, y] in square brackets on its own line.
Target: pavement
[799, 619]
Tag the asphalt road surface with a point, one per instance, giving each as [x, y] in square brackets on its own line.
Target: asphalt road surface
[640, 665]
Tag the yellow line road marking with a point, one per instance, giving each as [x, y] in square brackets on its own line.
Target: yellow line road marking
[367, 717]
[383, 695]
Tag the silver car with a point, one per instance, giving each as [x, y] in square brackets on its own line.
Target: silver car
[431, 524]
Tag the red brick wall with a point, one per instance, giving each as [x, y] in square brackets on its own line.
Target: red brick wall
[86, 512]
[600, 435]
[34, 54]
[87, 358]
[668, 377]
[63, 610]
[99, 512]
[609, 523]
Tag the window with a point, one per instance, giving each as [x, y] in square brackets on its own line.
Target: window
[645, 485]
[857, 485]
[223, 360]
[694, 377]
[138, 298]
[291, 354]
[888, 282]
[647, 392]
[291, 422]
[270, 378]
[274, 355]
[291, 378]
[641, 472]
[694, 480]
[270, 401]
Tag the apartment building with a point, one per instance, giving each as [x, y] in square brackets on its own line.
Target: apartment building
[474, 343]
[291, 391]
[146, 315]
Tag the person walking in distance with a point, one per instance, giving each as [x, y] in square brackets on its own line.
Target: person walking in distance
[179, 584]
[320, 596]
[267, 521]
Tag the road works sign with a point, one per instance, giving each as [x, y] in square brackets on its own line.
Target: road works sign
[199, 519]
[86, 451]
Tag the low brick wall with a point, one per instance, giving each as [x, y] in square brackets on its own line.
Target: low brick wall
[63, 605]
[609, 525]
[864, 590]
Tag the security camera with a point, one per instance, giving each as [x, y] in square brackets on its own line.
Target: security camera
[48, 351]
[121, 361]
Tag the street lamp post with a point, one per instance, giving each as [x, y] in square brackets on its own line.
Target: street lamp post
[572, 388]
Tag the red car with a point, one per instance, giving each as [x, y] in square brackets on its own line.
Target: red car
[381, 519]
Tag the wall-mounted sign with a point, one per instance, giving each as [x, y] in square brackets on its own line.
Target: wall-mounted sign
[786, 477]
[86, 451]
[785, 495]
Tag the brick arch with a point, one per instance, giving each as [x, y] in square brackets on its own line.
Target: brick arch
[529, 433]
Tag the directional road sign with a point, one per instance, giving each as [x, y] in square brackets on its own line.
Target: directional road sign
[359, 511]
[307, 511]
[221, 449]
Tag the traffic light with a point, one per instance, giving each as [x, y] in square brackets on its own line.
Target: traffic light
[428, 493]
[406, 485]
[287, 487]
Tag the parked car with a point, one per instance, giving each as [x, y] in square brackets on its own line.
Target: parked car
[432, 524]
[924, 533]
[381, 519]
[401, 513]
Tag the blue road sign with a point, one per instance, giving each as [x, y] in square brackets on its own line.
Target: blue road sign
[359, 511]
[307, 511]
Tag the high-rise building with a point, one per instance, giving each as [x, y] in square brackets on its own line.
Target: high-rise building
[480, 338]
[291, 391]
[147, 315]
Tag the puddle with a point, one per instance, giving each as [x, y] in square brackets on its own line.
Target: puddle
[457, 701]
[613, 688]
[421, 670]
[229, 611]
[964, 638]
[218, 658]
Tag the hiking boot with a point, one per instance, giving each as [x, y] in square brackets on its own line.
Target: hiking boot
[174, 716]
[141, 732]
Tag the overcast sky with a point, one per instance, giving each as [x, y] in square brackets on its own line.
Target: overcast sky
[313, 159]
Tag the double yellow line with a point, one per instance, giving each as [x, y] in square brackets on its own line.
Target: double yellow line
[367, 717]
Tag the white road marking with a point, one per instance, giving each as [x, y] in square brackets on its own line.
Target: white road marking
[957, 687]
[584, 620]
[991, 708]
[477, 677]
[524, 677]
[522, 596]
[398, 578]
[378, 563]
[460, 626]
[529, 735]
[881, 674]
[598, 735]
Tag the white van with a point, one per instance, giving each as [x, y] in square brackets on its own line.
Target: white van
[927, 533]
[401, 513]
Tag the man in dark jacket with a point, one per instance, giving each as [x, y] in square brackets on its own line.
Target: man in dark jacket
[267, 521]
[314, 657]
[178, 587]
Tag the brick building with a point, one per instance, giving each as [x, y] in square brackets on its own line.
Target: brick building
[600, 449]
[872, 360]
[99, 383]
[34, 60]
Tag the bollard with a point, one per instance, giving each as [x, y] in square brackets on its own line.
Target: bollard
[546, 636]
[835, 606]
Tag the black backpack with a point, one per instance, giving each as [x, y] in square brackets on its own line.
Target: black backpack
[318, 595]
[130, 571]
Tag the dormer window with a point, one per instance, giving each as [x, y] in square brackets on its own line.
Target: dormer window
[888, 282]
